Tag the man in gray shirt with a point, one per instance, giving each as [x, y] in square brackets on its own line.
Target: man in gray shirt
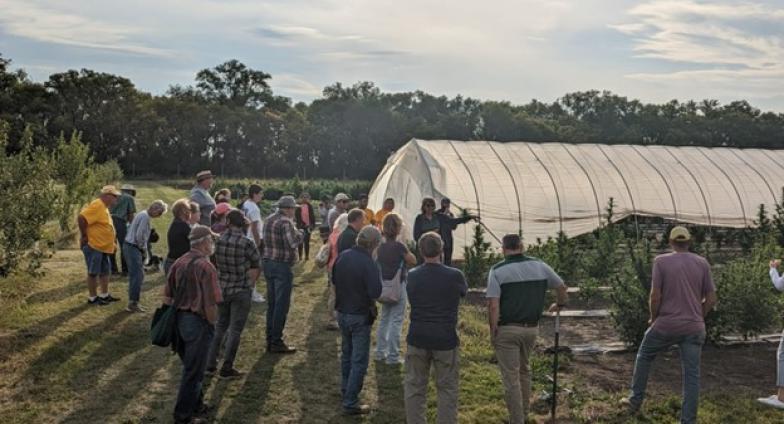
[134, 246]
[200, 194]
[341, 206]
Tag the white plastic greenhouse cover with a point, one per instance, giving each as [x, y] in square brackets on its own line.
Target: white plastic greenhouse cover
[544, 188]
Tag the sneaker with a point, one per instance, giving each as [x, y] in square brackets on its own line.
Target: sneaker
[97, 302]
[210, 371]
[204, 410]
[772, 401]
[232, 373]
[380, 358]
[257, 297]
[281, 348]
[631, 407]
[357, 410]
[396, 362]
[333, 326]
[134, 307]
[109, 298]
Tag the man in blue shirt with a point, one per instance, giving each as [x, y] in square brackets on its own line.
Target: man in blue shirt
[434, 292]
[357, 282]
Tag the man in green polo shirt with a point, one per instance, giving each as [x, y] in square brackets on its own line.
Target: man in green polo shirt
[122, 213]
[516, 289]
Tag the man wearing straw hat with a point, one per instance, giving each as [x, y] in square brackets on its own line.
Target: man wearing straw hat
[682, 294]
[97, 239]
[200, 194]
[122, 212]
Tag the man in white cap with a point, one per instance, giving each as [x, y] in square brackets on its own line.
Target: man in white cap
[341, 206]
[122, 212]
[97, 243]
[200, 194]
[280, 240]
[682, 294]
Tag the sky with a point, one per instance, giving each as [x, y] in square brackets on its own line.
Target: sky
[515, 50]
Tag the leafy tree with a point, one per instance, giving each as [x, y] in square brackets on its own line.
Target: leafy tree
[478, 258]
[73, 170]
[25, 206]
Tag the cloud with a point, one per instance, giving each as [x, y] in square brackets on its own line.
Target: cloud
[294, 84]
[736, 47]
[30, 20]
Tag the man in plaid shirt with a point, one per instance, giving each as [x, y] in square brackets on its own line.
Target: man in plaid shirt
[238, 261]
[281, 238]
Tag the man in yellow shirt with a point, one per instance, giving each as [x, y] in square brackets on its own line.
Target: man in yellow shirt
[389, 206]
[369, 218]
[97, 243]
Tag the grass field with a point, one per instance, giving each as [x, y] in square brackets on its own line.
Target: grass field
[63, 361]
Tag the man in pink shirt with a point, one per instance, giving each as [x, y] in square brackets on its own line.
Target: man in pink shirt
[682, 294]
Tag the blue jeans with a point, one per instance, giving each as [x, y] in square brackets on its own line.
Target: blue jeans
[390, 324]
[232, 315]
[98, 263]
[135, 262]
[690, 346]
[279, 282]
[196, 333]
[355, 335]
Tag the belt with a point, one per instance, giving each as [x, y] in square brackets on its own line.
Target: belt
[521, 324]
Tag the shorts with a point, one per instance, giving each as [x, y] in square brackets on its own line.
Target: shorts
[98, 263]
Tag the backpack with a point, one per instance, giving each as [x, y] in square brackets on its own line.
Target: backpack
[391, 290]
[322, 257]
[163, 328]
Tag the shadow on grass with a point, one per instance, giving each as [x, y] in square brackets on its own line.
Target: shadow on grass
[250, 400]
[25, 337]
[389, 386]
[41, 370]
[58, 293]
[320, 368]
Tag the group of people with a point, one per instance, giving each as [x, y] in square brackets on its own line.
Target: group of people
[217, 252]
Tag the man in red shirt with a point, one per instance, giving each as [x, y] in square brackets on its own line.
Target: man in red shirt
[682, 294]
[193, 289]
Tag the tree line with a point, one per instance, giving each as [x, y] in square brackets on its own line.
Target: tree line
[230, 121]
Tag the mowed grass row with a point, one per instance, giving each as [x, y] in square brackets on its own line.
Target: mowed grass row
[63, 361]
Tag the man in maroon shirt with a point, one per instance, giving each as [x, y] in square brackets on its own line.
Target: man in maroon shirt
[192, 287]
[682, 294]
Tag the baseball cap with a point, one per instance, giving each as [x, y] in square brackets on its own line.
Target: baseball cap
[680, 233]
[200, 231]
[222, 208]
[341, 196]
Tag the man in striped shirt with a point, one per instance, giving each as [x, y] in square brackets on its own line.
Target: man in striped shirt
[516, 289]
[280, 240]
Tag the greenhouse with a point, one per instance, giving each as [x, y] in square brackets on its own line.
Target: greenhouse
[540, 189]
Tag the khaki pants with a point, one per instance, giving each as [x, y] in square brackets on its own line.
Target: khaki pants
[446, 367]
[332, 316]
[513, 345]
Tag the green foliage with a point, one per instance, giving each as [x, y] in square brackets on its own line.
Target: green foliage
[478, 258]
[231, 121]
[601, 262]
[748, 303]
[28, 192]
[273, 189]
[778, 221]
[73, 171]
[107, 173]
[629, 291]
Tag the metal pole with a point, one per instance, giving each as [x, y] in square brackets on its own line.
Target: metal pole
[555, 364]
